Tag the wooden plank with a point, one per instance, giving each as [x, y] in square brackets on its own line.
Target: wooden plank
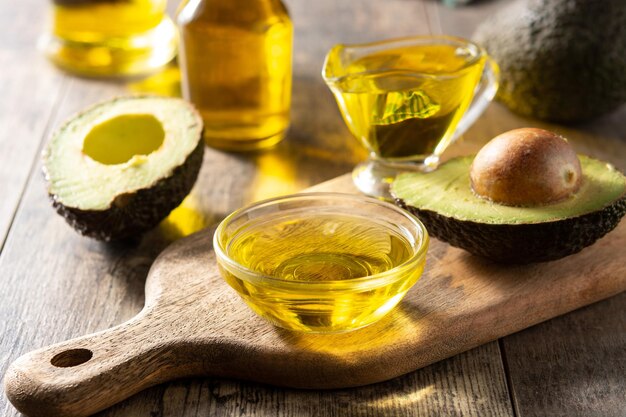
[30, 89]
[463, 20]
[460, 386]
[571, 366]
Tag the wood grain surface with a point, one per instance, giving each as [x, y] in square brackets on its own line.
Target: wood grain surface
[57, 285]
[22, 122]
[194, 324]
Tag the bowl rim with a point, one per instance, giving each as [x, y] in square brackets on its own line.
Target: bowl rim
[420, 234]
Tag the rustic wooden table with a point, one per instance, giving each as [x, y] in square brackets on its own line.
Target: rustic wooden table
[56, 285]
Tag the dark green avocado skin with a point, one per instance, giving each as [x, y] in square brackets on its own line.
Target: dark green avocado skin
[133, 214]
[560, 60]
[524, 243]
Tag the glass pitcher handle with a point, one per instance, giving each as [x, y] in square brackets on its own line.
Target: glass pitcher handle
[483, 94]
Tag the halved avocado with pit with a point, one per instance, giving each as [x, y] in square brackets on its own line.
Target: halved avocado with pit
[118, 168]
[444, 201]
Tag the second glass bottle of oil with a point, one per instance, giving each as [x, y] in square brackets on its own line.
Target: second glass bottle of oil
[235, 58]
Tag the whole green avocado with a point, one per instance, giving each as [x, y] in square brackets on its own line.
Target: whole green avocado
[560, 60]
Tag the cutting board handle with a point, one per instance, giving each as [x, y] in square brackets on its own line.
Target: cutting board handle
[82, 376]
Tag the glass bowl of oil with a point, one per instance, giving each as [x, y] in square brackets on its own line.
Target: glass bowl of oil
[321, 262]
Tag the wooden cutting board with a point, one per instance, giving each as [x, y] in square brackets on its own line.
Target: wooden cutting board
[194, 324]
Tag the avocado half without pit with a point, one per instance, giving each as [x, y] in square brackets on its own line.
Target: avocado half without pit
[118, 168]
[525, 197]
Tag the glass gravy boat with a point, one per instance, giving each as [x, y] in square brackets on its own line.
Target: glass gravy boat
[407, 100]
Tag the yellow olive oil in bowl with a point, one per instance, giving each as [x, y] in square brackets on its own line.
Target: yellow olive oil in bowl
[321, 262]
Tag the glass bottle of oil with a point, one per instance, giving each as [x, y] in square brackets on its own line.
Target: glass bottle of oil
[110, 38]
[235, 58]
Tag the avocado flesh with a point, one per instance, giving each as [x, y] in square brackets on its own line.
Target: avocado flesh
[445, 202]
[560, 60]
[119, 168]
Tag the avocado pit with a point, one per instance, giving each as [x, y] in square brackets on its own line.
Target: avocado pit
[526, 167]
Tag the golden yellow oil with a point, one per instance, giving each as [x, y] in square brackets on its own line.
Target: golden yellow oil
[236, 68]
[111, 37]
[406, 102]
[320, 253]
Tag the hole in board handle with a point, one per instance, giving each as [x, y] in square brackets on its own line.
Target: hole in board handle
[72, 357]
